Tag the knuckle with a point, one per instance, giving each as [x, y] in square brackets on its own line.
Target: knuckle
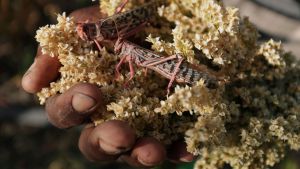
[61, 115]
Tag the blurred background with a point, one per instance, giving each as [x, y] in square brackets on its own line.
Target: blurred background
[28, 141]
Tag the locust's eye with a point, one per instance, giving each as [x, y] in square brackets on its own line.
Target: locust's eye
[91, 31]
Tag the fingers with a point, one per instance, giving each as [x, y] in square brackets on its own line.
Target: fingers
[114, 139]
[43, 71]
[111, 139]
[45, 68]
[177, 153]
[106, 141]
[147, 152]
[73, 107]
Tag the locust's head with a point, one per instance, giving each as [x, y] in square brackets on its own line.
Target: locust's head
[89, 32]
[81, 31]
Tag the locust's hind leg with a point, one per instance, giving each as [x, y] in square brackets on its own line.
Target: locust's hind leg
[132, 72]
[176, 70]
[121, 7]
[157, 61]
[145, 71]
[124, 34]
[98, 45]
[117, 69]
[129, 59]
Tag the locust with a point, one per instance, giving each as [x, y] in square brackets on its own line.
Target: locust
[120, 25]
[172, 67]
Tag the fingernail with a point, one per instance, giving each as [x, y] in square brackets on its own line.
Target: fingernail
[29, 69]
[185, 160]
[82, 103]
[176, 158]
[144, 163]
[27, 72]
[112, 150]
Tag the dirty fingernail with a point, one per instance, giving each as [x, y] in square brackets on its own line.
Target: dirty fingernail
[82, 103]
[112, 150]
[186, 160]
[29, 69]
[144, 163]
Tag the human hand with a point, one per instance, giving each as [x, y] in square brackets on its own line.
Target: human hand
[108, 141]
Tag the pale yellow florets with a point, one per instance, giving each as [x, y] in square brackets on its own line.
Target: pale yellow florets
[272, 51]
[211, 29]
[248, 122]
[80, 63]
[109, 6]
[180, 45]
[196, 98]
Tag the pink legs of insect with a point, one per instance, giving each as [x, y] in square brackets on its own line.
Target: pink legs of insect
[176, 70]
[121, 7]
[98, 45]
[124, 33]
[119, 46]
[157, 61]
[148, 64]
[129, 60]
[119, 66]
